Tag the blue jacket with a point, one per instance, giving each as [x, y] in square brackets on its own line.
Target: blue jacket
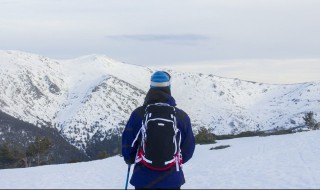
[142, 176]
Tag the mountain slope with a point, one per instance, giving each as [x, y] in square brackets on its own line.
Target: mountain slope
[19, 135]
[232, 106]
[89, 99]
[277, 162]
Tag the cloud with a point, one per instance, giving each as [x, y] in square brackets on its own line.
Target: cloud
[281, 71]
[163, 37]
[148, 32]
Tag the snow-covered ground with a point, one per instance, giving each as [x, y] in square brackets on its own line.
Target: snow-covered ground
[286, 161]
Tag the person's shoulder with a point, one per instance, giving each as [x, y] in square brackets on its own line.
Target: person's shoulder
[183, 119]
[181, 113]
[139, 111]
[137, 115]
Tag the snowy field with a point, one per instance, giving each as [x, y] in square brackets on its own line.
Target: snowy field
[282, 162]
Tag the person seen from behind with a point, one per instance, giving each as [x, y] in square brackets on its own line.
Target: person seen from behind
[158, 138]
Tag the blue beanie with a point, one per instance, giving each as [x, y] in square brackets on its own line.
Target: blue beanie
[160, 79]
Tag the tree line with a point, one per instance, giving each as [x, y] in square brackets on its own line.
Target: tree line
[36, 154]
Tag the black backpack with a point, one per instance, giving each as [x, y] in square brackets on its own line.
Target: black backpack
[160, 138]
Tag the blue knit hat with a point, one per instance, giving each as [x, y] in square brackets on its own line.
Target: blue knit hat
[160, 79]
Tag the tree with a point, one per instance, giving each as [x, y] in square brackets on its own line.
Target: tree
[6, 156]
[38, 148]
[309, 120]
[204, 136]
[103, 154]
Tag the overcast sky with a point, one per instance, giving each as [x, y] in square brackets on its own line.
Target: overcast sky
[228, 36]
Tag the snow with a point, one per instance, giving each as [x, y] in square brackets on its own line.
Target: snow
[95, 88]
[281, 162]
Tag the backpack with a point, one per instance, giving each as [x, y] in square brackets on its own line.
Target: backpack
[160, 138]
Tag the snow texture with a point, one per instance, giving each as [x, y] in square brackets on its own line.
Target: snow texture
[281, 162]
[94, 95]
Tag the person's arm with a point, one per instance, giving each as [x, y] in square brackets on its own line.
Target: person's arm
[188, 141]
[128, 136]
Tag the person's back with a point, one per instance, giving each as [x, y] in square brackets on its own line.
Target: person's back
[152, 170]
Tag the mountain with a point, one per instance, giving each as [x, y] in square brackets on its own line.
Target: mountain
[18, 135]
[89, 99]
[274, 162]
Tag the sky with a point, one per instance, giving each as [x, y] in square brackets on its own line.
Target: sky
[272, 41]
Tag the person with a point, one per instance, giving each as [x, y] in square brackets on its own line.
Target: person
[149, 177]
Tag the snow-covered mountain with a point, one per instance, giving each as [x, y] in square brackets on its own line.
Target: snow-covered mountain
[91, 97]
[274, 162]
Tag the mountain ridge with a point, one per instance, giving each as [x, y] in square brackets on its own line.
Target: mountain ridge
[95, 94]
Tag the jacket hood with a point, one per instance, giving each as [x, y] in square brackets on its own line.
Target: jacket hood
[159, 94]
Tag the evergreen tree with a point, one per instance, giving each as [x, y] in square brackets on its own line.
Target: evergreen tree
[103, 154]
[309, 120]
[38, 148]
[204, 136]
[6, 156]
